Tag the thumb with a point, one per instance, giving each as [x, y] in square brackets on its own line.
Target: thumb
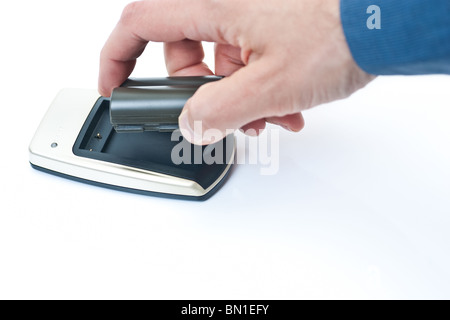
[221, 107]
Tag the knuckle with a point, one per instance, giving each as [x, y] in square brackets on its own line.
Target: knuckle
[129, 12]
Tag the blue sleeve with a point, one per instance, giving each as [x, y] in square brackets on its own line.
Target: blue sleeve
[410, 37]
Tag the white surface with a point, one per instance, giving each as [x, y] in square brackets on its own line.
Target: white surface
[360, 207]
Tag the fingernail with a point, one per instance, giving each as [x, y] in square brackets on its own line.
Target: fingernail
[287, 128]
[191, 135]
[185, 127]
[281, 125]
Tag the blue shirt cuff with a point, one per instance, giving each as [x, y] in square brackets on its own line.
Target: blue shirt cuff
[413, 38]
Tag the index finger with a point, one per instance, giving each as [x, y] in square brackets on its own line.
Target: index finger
[155, 20]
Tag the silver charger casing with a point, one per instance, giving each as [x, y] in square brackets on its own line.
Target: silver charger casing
[76, 140]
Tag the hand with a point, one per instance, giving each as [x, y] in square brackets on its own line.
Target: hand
[280, 57]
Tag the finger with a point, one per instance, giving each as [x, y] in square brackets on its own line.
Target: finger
[246, 96]
[292, 122]
[185, 58]
[163, 21]
[227, 59]
[254, 128]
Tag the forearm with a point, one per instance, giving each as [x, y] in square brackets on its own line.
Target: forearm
[413, 36]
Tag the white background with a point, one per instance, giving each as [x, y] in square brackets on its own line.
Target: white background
[360, 207]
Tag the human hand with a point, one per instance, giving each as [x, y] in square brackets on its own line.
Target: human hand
[280, 57]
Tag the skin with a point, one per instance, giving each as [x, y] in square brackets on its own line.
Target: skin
[280, 58]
